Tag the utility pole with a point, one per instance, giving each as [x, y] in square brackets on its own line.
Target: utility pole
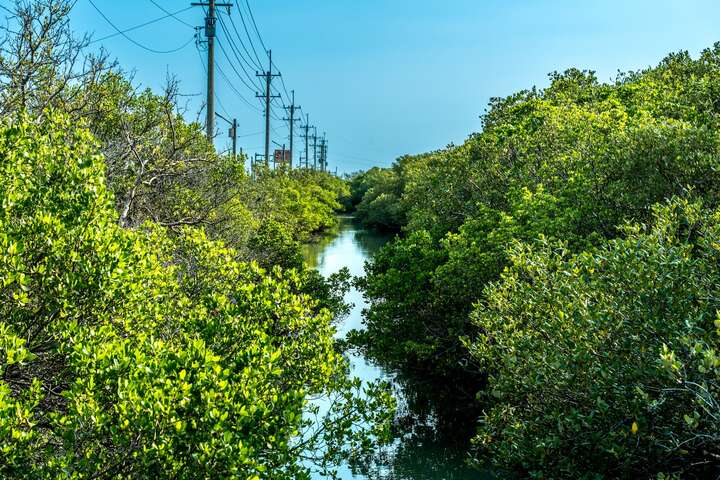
[292, 108]
[323, 153]
[210, 34]
[314, 137]
[268, 76]
[232, 133]
[306, 137]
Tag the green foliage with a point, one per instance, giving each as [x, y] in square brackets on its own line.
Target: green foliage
[137, 354]
[135, 340]
[273, 244]
[585, 353]
[425, 289]
[159, 167]
[399, 273]
[375, 197]
[269, 217]
[303, 200]
[358, 184]
[573, 163]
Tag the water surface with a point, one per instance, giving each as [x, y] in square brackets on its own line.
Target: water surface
[418, 452]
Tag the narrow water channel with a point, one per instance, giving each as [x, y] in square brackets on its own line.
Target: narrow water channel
[412, 456]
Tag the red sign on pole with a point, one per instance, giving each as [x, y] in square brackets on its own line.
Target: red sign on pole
[282, 156]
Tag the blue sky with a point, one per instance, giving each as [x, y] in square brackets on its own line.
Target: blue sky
[385, 78]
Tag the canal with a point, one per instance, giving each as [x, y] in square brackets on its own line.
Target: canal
[417, 452]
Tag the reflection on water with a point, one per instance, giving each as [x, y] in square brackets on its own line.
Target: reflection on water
[419, 453]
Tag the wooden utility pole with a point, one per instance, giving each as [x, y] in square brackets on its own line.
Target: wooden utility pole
[210, 20]
[292, 109]
[268, 96]
[324, 154]
[307, 128]
[314, 137]
[232, 133]
[234, 137]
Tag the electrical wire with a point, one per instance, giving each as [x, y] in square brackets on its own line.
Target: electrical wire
[222, 108]
[239, 37]
[282, 82]
[253, 88]
[238, 56]
[257, 31]
[249, 37]
[173, 15]
[255, 134]
[279, 134]
[130, 39]
[140, 26]
[251, 61]
[277, 97]
[232, 86]
[252, 17]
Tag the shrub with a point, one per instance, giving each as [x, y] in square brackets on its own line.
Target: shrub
[137, 354]
[604, 363]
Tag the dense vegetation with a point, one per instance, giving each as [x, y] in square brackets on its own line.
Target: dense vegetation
[557, 273]
[157, 320]
[554, 283]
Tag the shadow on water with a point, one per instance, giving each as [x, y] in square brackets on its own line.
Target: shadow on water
[420, 450]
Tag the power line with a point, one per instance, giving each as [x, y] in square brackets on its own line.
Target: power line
[249, 37]
[145, 24]
[253, 88]
[282, 82]
[254, 134]
[240, 96]
[121, 32]
[227, 80]
[257, 31]
[252, 17]
[278, 98]
[240, 48]
[276, 132]
[243, 59]
[222, 107]
[242, 44]
[239, 57]
[306, 137]
[173, 15]
[291, 123]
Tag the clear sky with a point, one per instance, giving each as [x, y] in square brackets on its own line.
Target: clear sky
[385, 78]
